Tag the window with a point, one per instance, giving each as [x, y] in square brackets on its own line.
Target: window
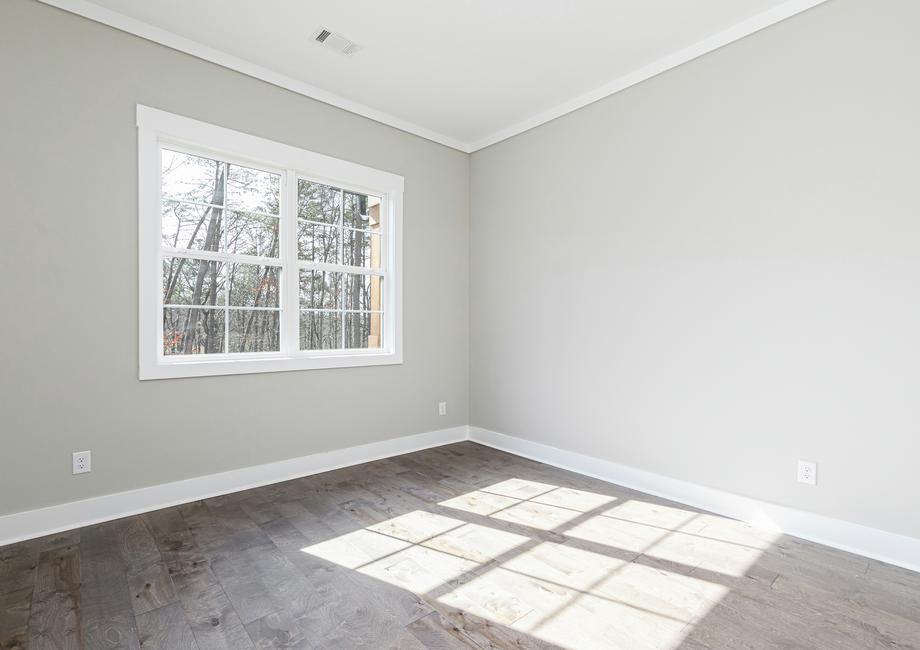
[256, 256]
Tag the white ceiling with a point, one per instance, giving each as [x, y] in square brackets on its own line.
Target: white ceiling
[466, 73]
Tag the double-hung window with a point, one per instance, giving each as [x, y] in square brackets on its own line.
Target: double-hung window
[256, 256]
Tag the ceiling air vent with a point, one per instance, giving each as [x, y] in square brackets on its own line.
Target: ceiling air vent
[332, 41]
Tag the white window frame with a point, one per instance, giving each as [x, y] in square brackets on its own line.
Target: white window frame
[157, 129]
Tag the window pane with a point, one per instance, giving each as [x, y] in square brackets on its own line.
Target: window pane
[363, 330]
[362, 249]
[191, 226]
[361, 211]
[191, 330]
[253, 286]
[254, 330]
[252, 234]
[191, 178]
[317, 243]
[363, 292]
[253, 190]
[320, 289]
[320, 330]
[318, 202]
[192, 282]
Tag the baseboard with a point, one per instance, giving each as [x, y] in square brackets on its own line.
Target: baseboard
[870, 542]
[66, 516]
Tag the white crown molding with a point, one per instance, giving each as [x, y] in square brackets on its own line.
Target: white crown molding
[847, 536]
[150, 32]
[698, 49]
[125, 23]
[67, 516]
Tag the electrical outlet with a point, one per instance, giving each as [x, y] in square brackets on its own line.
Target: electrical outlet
[808, 472]
[82, 462]
[442, 408]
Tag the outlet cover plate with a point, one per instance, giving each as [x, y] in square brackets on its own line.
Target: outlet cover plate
[82, 462]
[808, 472]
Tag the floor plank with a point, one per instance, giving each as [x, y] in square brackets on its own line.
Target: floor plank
[434, 631]
[165, 629]
[147, 575]
[55, 612]
[15, 610]
[106, 603]
[18, 563]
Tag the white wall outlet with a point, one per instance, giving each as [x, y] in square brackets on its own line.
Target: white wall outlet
[442, 408]
[808, 472]
[82, 462]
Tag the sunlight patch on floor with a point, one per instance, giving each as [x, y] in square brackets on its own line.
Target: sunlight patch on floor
[478, 543]
[518, 488]
[578, 599]
[626, 535]
[418, 550]
[416, 526]
[419, 569]
[480, 503]
[580, 500]
[357, 549]
[631, 573]
[693, 539]
[529, 503]
[650, 514]
[537, 515]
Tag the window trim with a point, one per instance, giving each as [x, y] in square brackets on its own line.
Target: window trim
[157, 128]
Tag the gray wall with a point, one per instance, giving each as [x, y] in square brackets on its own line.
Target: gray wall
[716, 272]
[68, 372]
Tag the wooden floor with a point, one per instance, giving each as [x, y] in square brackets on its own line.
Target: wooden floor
[455, 547]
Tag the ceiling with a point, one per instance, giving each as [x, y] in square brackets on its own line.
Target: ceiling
[465, 73]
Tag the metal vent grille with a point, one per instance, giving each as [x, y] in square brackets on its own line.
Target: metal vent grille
[332, 41]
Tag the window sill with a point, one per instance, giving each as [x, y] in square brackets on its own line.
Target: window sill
[177, 368]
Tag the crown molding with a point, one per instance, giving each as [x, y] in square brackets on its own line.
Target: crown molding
[149, 32]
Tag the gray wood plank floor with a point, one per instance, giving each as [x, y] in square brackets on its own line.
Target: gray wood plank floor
[460, 546]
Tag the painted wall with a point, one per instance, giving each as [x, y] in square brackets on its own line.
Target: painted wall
[716, 272]
[68, 182]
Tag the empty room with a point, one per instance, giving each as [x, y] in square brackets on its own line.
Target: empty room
[471, 324]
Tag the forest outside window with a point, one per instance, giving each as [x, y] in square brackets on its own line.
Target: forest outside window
[257, 257]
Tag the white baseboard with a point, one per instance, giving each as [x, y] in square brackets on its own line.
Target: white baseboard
[66, 516]
[870, 542]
